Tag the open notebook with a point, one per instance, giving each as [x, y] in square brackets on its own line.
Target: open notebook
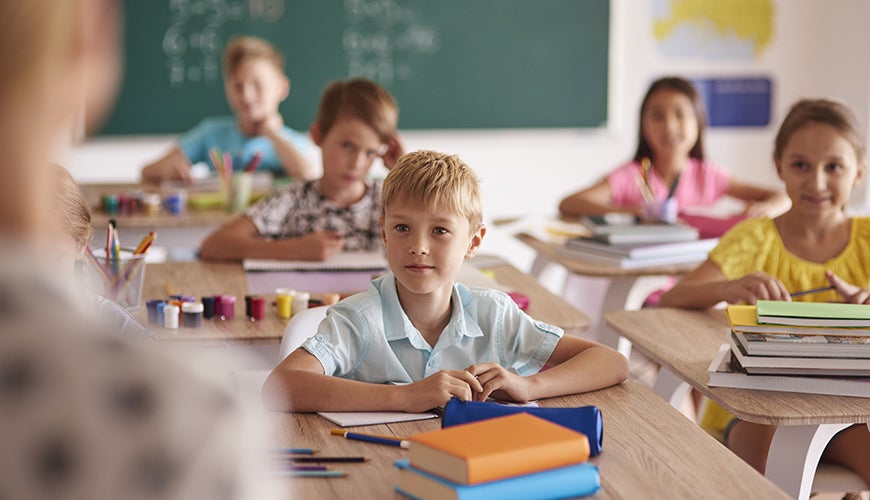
[344, 261]
[358, 418]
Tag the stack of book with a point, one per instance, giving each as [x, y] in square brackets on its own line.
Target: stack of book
[515, 456]
[631, 246]
[821, 348]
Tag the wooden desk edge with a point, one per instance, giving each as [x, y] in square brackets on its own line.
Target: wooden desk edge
[716, 393]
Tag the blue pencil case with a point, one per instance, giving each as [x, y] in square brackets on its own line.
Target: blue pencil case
[585, 419]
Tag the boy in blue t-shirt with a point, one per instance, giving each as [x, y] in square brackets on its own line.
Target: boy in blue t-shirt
[255, 85]
[417, 338]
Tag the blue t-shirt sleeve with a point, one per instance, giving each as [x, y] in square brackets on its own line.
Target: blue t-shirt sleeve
[193, 142]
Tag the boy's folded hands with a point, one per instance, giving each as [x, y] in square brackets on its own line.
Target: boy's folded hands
[500, 383]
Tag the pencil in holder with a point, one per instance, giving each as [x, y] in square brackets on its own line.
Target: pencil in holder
[119, 280]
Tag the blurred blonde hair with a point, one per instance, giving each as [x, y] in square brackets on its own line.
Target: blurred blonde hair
[34, 37]
[435, 181]
[359, 98]
[245, 48]
[71, 209]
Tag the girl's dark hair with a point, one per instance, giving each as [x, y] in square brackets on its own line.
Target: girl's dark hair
[823, 111]
[686, 88]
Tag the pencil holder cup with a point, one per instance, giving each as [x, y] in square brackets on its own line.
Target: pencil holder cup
[661, 211]
[117, 279]
[240, 191]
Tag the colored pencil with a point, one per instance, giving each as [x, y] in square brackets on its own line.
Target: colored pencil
[145, 243]
[308, 467]
[673, 186]
[295, 451]
[645, 191]
[372, 438]
[312, 473]
[255, 162]
[812, 291]
[328, 459]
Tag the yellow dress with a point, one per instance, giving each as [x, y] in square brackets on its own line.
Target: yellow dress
[755, 245]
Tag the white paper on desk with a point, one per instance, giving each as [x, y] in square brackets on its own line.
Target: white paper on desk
[359, 418]
[548, 229]
[344, 261]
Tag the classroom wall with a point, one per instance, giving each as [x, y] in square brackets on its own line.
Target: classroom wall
[819, 49]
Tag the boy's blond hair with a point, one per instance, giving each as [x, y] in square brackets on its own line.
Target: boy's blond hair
[246, 48]
[436, 180]
[71, 209]
[359, 98]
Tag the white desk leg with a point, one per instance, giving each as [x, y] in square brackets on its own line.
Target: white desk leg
[538, 265]
[670, 387]
[608, 336]
[615, 300]
[794, 455]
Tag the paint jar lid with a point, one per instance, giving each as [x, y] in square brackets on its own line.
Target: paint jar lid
[170, 309]
[192, 307]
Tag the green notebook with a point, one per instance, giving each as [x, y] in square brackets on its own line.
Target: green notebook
[812, 313]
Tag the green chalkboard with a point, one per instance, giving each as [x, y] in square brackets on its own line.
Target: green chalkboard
[449, 63]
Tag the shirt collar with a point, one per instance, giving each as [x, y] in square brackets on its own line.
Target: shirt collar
[397, 325]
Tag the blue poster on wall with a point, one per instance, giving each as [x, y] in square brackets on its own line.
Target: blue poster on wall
[736, 102]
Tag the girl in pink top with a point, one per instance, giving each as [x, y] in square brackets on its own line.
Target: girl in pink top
[670, 153]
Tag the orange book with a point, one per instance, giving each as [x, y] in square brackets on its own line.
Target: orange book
[497, 448]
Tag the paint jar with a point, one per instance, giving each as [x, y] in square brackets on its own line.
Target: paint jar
[192, 313]
[330, 299]
[258, 308]
[240, 192]
[152, 310]
[208, 307]
[150, 204]
[300, 302]
[175, 202]
[160, 306]
[110, 204]
[248, 306]
[170, 316]
[228, 306]
[285, 305]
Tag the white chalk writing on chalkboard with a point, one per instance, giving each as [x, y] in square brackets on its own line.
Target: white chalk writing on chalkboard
[380, 39]
[380, 35]
[194, 40]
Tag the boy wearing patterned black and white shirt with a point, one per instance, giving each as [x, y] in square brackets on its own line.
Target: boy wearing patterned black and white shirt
[312, 220]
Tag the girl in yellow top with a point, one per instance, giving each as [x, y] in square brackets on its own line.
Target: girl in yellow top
[820, 157]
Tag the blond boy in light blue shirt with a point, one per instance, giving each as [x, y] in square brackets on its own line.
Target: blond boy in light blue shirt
[416, 325]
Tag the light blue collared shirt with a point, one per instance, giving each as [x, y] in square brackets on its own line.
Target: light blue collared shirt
[368, 337]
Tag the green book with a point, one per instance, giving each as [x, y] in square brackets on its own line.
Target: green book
[812, 313]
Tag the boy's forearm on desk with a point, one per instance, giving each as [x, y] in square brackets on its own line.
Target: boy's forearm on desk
[306, 391]
[594, 368]
[235, 247]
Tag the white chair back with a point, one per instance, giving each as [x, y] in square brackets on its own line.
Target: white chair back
[300, 327]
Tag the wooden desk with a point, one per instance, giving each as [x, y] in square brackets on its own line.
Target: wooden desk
[685, 342]
[209, 278]
[649, 451]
